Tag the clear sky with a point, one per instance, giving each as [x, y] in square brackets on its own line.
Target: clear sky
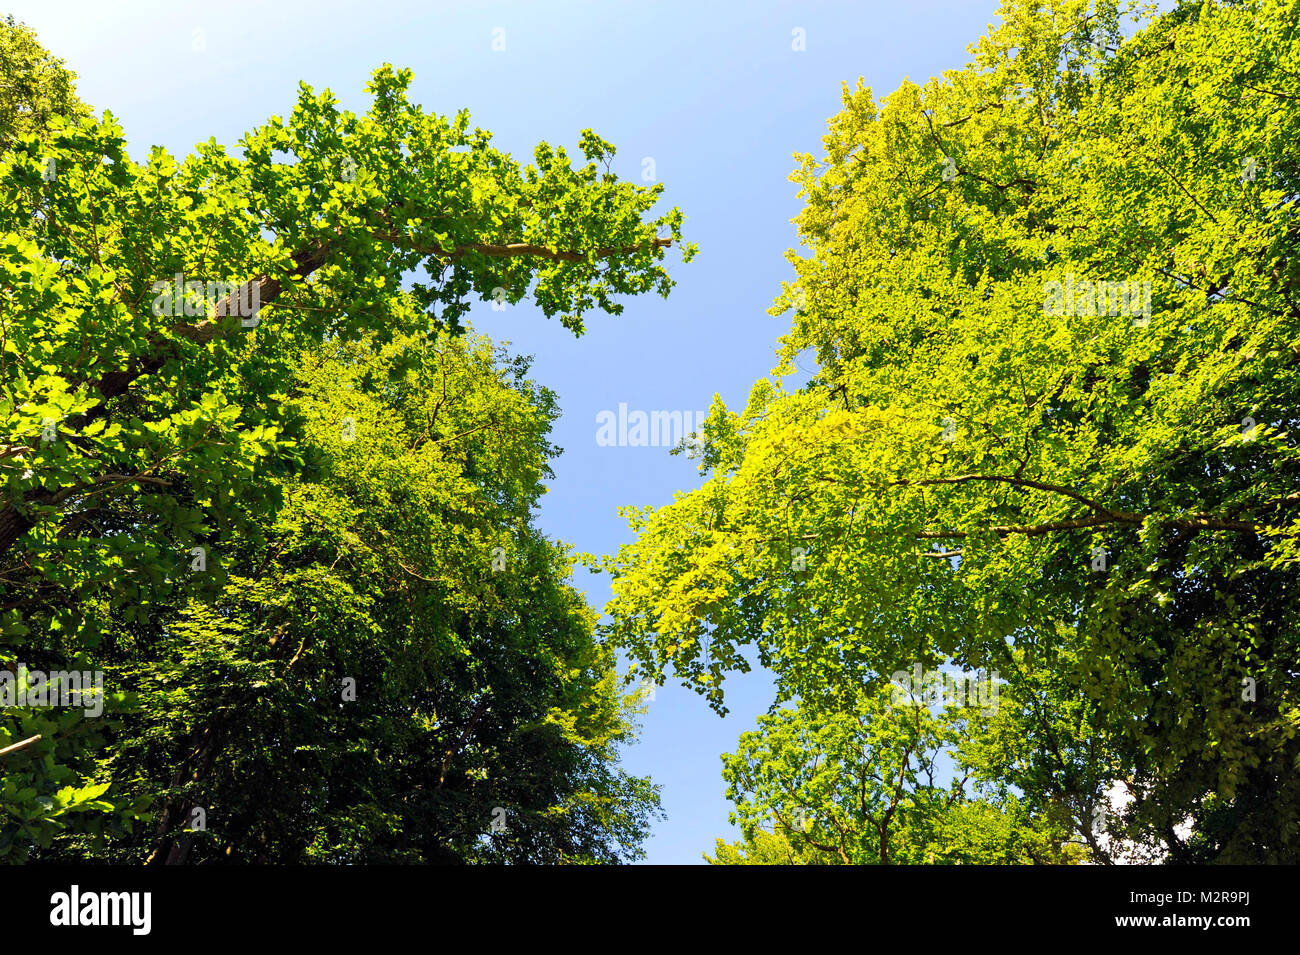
[712, 92]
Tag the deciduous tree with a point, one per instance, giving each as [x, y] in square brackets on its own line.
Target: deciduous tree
[154, 318]
[1013, 456]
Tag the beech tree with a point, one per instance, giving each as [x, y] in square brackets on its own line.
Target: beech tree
[154, 322]
[1052, 299]
[396, 669]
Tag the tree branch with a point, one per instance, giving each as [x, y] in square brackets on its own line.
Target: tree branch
[20, 746]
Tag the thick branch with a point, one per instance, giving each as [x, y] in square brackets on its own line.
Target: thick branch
[1193, 522]
[515, 249]
[1019, 482]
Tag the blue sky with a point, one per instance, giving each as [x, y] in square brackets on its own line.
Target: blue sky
[712, 92]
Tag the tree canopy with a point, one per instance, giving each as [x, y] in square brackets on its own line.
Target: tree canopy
[1052, 299]
[255, 472]
[37, 87]
[258, 473]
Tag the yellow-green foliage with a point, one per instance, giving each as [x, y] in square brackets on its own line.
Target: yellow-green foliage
[971, 448]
